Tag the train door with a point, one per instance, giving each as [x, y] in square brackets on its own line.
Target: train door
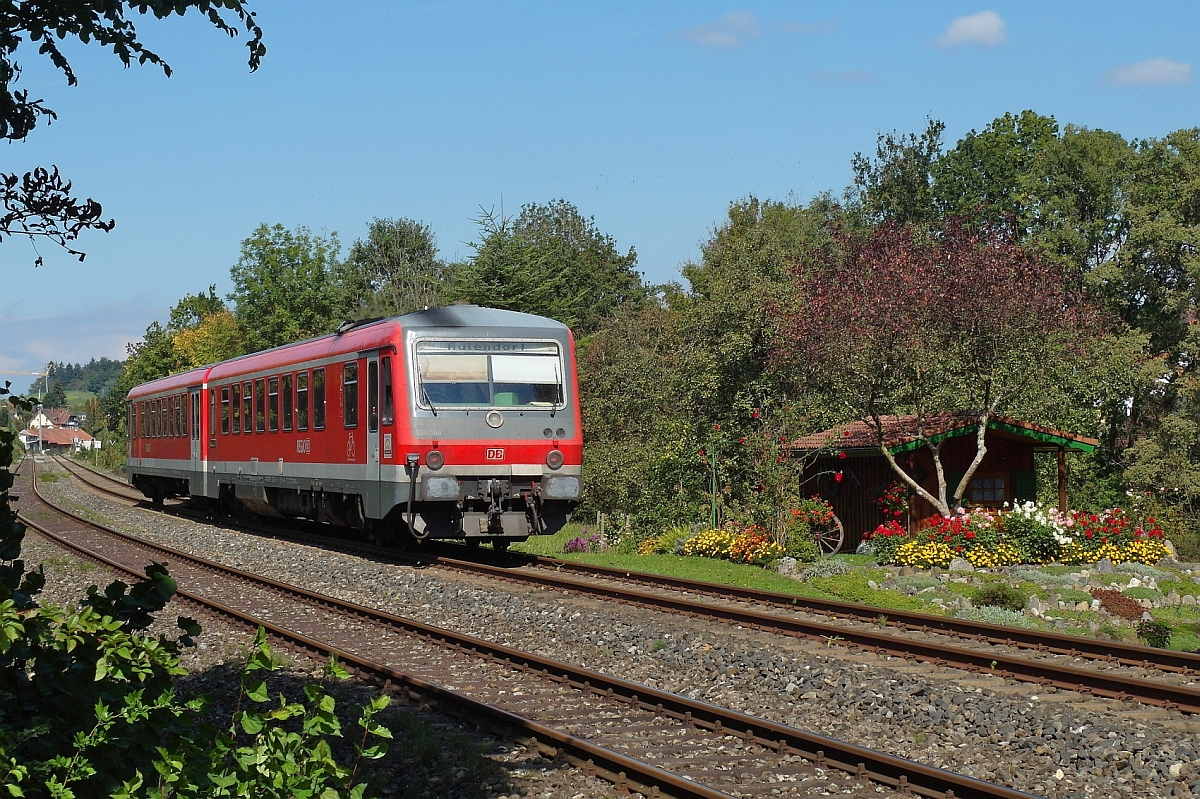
[373, 464]
[196, 430]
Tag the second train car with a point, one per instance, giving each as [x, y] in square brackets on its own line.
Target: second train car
[459, 422]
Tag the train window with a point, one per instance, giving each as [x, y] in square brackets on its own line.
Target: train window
[247, 407]
[372, 396]
[176, 416]
[273, 404]
[318, 399]
[154, 418]
[236, 408]
[302, 401]
[225, 410]
[141, 420]
[260, 405]
[389, 404]
[350, 394]
[129, 421]
[489, 374]
[212, 418]
[181, 415]
[169, 427]
[286, 403]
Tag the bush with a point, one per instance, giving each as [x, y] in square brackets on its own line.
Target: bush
[989, 614]
[1036, 532]
[709, 544]
[1154, 633]
[756, 547]
[885, 540]
[825, 568]
[1000, 595]
[669, 542]
[1118, 604]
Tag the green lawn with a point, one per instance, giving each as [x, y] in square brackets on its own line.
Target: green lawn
[79, 397]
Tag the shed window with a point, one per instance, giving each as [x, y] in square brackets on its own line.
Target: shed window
[224, 410]
[286, 401]
[247, 407]
[273, 404]
[260, 405]
[302, 401]
[237, 408]
[350, 394]
[318, 399]
[989, 489]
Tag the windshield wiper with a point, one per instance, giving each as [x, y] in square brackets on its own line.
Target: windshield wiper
[558, 392]
[428, 401]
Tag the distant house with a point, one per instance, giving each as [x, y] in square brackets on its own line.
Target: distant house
[1006, 473]
[55, 417]
[57, 440]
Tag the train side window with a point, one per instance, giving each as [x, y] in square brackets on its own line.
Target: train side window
[350, 394]
[236, 408]
[389, 403]
[273, 404]
[247, 407]
[154, 418]
[169, 428]
[141, 420]
[177, 418]
[372, 396]
[286, 405]
[212, 418]
[260, 405]
[224, 410]
[302, 401]
[181, 415]
[318, 399]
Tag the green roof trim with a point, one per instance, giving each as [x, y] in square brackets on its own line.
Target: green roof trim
[995, 424]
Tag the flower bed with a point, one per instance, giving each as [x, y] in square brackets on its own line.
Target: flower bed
[1029, 533]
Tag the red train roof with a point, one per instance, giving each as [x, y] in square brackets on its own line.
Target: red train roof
[172, 384]
[368, 337]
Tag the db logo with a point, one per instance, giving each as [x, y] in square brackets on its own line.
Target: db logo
[494, 454]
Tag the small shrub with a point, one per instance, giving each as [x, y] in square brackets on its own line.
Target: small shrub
[1000, 595]
[48, 477]
[825, 568]
[709, 544]
[885, 540]
[1002, 554]
[1036, 531]
[1118, 604]
[1142, 570]
[756, 547]
[989, 614]
[584, 543]
[1154, 633]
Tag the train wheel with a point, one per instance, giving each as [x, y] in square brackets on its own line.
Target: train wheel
[500, 545]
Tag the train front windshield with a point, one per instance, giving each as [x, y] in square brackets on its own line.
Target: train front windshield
[489, 374]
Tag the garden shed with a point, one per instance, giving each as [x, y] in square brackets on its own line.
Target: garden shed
[845, 467]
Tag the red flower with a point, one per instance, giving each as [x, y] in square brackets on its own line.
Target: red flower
[947, 538]
[703, 453]
[741, 441]
[846, 433]
[755, 414]
[838, 477]
[842, 455]
[716, 427]
[795, 512]
[968, 535]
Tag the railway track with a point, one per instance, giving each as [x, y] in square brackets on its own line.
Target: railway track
[1041, 663]
[640, 738]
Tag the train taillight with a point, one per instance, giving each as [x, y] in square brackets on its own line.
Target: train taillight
[554, 459]
[434, 459]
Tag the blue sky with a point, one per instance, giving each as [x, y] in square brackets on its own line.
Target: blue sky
[651, 117]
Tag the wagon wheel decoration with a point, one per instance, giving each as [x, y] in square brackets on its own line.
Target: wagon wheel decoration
[830, 537]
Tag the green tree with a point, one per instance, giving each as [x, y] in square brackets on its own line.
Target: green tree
[39, 204]
[285, 286]
[551, 261]
[394, 270]
[897, 185]
[56, 397]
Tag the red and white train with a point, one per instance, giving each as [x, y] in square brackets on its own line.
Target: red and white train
[457, 422]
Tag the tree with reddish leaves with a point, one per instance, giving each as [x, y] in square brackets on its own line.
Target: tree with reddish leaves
[899, 320]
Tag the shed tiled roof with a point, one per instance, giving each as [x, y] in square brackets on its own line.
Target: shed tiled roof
[901, 432]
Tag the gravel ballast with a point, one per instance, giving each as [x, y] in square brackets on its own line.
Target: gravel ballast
[1052, 743]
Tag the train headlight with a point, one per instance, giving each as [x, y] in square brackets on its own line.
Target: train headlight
[554, 459]
[434, 459]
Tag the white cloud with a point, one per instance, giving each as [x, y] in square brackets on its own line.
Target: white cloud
[985, 29]
[732, 30]
[32, 340]
[808, 27]
[842, 76]
[1152, 72]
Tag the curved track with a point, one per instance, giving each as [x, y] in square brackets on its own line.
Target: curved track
[1044, 667]
[641, 738]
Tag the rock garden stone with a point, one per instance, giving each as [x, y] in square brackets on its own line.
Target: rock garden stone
[1104, 566]
[961, 565]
